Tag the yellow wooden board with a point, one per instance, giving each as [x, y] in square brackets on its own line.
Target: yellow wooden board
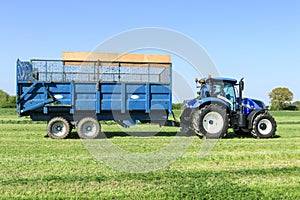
[115, 57]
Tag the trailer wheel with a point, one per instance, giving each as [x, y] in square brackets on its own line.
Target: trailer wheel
[88, 128]
[213, 121]
[58, 128]
[264, 126]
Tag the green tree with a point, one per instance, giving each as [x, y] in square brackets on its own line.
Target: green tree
[280, 98]
[12, 101]
[3, 98]
[7, 101]
[177, 106]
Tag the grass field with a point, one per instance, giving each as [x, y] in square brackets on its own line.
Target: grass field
[34, 166]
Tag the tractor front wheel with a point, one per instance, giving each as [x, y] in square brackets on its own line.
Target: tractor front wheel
[264, 126]
[213, 121]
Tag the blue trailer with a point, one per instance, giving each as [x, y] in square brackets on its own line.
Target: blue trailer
[80, 93]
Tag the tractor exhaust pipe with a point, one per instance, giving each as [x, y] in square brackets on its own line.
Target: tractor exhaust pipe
[242, 119]
[241, 88]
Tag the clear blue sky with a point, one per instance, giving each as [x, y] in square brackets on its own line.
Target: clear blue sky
[257, 39]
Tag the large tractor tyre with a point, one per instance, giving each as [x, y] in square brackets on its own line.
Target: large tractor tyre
[213, 121]
[88, 128]
[58, 128]
[195, 122]
[185, 123]
[264, 126]
[185, 117]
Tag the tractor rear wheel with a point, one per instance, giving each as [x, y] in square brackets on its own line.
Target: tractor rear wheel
[213, 121]
[185, 123]
[195, 123]
[264, 126]
[88, 128]
[58, 128]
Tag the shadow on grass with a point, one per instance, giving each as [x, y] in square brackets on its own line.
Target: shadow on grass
[74, 135]
[230, 135]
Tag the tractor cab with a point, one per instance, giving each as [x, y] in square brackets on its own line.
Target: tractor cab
[221, 88]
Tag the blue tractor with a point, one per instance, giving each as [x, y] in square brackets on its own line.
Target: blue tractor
[220, 105]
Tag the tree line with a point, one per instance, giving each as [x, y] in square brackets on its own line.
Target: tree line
[7, 101]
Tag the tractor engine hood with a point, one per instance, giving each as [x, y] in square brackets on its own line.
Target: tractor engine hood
[251, 104]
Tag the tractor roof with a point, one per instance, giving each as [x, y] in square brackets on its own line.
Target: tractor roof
[230, 80]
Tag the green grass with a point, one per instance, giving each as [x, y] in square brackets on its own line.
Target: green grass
[33, 166]
[287, 117]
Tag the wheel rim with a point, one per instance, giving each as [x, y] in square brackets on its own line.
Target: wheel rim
[213, 122]
[89, 128]
[264, 126]
[58, 129]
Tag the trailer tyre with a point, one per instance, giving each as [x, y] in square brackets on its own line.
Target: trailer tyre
[213, 121]
[58, 128]
[88, 128]
[264, 126]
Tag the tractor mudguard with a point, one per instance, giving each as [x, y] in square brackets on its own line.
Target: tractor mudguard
[214, 100]
[252, 116]
[199, 103]
[192, 104]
